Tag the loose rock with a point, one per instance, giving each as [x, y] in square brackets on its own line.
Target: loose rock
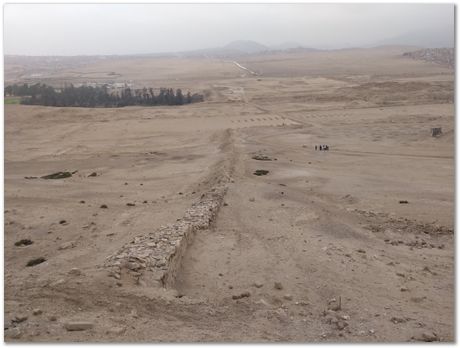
[78, 325]
[13, 333]
[398, 320]
[278, 286]
[35, 262]
[23, 242]
[75, 272]
[116, 330]
[260, 172]
[58, 175]
[19, 319]
[37, 311]
[430, 337]
[243, 294]
[67, 245]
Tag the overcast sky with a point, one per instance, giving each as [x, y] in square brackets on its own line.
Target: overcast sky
[86, 29]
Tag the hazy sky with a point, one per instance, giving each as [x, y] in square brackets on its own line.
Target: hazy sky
[74, 29]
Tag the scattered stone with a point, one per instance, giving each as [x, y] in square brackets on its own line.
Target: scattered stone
[362, 251]
[75, 272]
[58, 175]
[430, 336]
[13, 333]
[78, 325]
[30, 177]
[341, 324]
[418, 299]
[52, 318]
[130, 204]
[19, 319]
[426, 269]
[263, 302]
[258, 284]
[92, 174]
[278, 286]
[335, 305]
[67, 245]
[403, 202]
[23, 242]
[261, 158]
[35, 261]
[260, 172]
[288, 297]
[441, 56]
[116, 330]
[404, 289]
[37, 311]
[252, 199]
[82, 202]
[398, 320]
[63, 222]
[104, 206]
[144, 202]
[242, 295]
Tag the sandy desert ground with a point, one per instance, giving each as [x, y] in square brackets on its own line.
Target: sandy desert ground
[318, 250]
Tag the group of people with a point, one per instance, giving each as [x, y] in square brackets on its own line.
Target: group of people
[322, 147]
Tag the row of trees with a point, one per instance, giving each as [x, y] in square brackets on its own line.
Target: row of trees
[88, 96]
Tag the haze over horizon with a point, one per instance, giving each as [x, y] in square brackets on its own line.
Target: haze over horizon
[122, 29]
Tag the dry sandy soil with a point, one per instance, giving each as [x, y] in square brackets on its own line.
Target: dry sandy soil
[318, 250]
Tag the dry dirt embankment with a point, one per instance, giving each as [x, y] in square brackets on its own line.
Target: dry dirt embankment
[155, 258]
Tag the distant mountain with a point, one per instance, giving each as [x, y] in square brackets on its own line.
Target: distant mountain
[241, 48]
[422, 38]
[246, 47]
[286, 45]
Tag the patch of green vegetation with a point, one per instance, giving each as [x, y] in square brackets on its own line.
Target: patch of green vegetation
[12, 100]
